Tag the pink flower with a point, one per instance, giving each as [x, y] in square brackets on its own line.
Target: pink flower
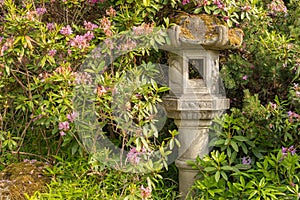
[246, 8]
[109, 43]
[62, 133]
[111, 11]
[105, 24]
[79, 41]
[50, 26]
[129, 45]
[286, 150]
[143, 29]
[246, 160]
[71, 117]
[133, 156]
[95, 1]
[273, 105]
[277, 6]
[82, 41]
[32, 161]
[90, 26]
[100, 90]
[245, 77]
[89, 35]
[52, 52]
[145, 192]
[92, 1]
[66, 30]
[3, 49]
[184, 2]
[64, 126]
[293, 115]
[219, 4]
[41, 11]
[226, 18]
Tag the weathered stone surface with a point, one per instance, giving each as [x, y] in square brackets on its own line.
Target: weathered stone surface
[205, 30]
[195, 104]
[196, 93]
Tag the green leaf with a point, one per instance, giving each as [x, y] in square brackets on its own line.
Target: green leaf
[229, 23]
[240, 138]
[232, 157]
[218, 142]
[229, 152]
[207, 10]
[224, 175]
[243, 15]
[217, 11]
[262, 182]
[244, 148]
[217, 176]
[234, 146]
[7, 70]
[242, 166]
[256, 153]
[228, 168]
[242, 180]
[197, 10]
[252, 194]
[74, 148]
[227, 141]
[210, 169]
[171, 144]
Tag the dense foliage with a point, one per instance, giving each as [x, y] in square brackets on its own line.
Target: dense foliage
[46, 86]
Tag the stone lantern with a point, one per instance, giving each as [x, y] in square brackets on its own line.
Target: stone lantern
[196, 97]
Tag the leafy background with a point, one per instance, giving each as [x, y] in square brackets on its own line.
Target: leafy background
[43, 45]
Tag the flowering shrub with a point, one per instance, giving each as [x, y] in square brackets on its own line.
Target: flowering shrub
[232, 12]
[44, 44]
[39, 63]
[42, 49]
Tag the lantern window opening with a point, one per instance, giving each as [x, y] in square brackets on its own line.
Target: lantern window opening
[195, 68]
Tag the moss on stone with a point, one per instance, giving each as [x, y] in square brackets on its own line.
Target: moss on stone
[22, 178]
[208, 30]
[187, 33]
[235, 36]
[210, 23]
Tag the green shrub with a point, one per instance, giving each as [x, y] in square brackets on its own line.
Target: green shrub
[275, 176]
[79, 180]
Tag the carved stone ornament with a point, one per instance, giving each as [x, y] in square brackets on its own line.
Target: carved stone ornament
[205, 30]
[196, 94]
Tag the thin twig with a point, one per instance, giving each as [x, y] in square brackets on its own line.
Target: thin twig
[23, 134]
[23, 86]
[30, 154]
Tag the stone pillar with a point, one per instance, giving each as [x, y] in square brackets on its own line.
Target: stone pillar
[195, 97]
[194, 140]
[193, 119]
